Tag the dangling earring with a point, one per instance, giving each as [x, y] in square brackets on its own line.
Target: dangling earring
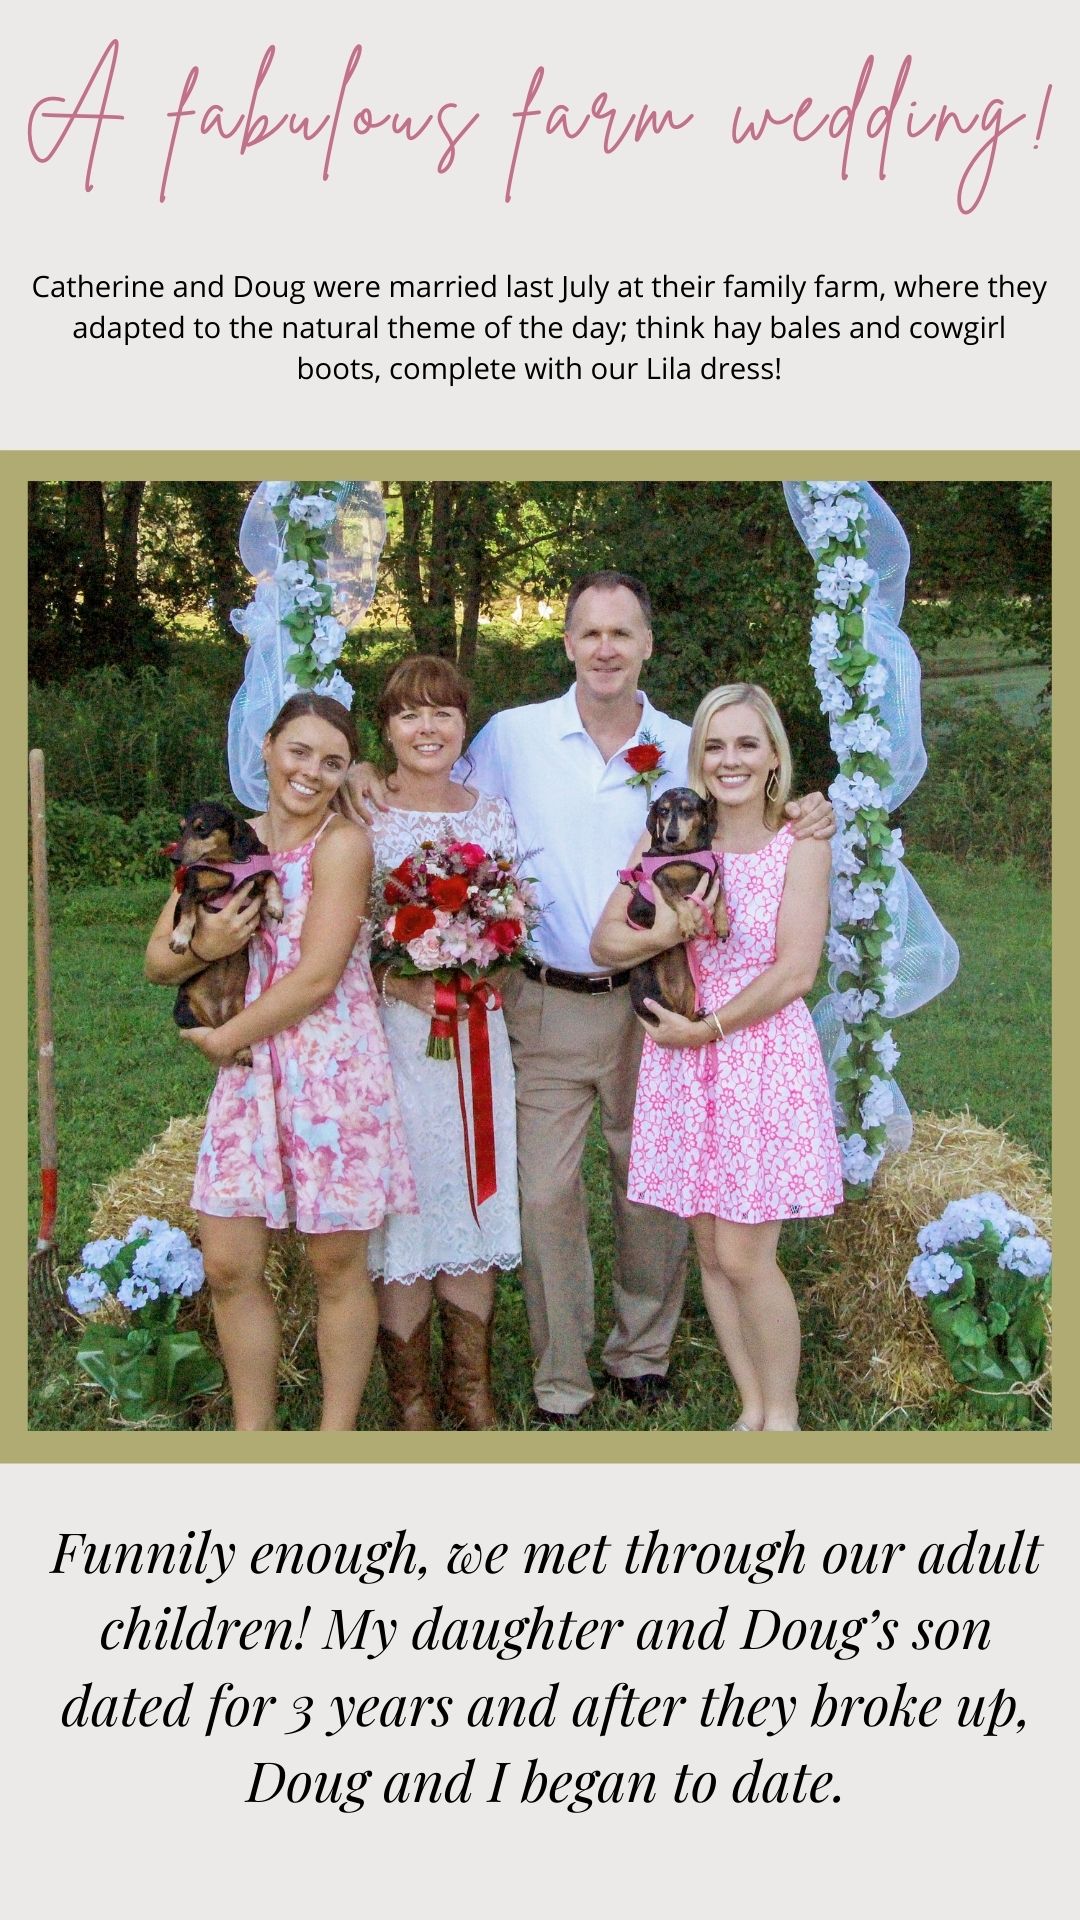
[772, 785]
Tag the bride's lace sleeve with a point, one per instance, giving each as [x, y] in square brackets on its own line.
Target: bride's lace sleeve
[506, 829]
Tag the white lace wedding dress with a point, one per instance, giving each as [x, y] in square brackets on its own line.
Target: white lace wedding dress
[444, 1237]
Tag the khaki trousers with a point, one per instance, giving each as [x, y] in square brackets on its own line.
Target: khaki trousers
[570, 1050]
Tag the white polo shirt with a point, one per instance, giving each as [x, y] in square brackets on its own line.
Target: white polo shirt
[577, 819]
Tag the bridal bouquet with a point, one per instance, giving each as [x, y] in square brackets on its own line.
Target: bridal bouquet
[984, 1274]
[458, 911]
[148, 1367]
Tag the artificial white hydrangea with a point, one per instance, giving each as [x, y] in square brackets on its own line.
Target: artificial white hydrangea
[856, 906]
[831, 519]
[314, 510]
[859, 1164]
[828, 489]
[887, 1051]
[842, 951]
[337, 688]
[864, 734]
[846, 860]
[328, 640]
[835, 697]
[890, 991]
[851, 793]
[841, 580]
[877, 1103]
[854, 1005]
[824, 630]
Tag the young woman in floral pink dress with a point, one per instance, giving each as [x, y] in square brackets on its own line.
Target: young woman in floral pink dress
[733, 1126]
[310, 1134]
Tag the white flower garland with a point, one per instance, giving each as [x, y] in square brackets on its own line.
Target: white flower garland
[299, 596]
[871, 892]
[313, 548]
[850, 680]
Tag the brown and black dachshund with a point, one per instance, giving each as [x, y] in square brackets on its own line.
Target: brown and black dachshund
[211, 840]
[680, 821]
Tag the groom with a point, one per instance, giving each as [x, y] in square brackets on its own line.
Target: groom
[562, 766]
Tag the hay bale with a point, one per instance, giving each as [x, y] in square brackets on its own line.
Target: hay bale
[887, 1346]
[159, 1184]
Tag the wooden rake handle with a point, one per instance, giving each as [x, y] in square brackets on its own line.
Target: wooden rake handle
[46, 1084]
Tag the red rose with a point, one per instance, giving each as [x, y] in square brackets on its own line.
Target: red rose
[449, 893]
[505, 934]
[468, 853]
[410, 923]
[643, 759]
[399, 882]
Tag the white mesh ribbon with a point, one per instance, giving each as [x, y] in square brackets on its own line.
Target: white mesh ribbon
[339, 584]
[888, 951]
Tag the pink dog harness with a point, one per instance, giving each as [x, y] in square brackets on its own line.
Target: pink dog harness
[240, 870]
[641, 875]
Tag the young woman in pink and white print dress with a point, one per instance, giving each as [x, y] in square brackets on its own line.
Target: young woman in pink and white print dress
[310, 1134]
[733, 1125]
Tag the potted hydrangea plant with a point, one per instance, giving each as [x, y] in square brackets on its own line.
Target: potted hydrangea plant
[983, 1273]
[149, 1367]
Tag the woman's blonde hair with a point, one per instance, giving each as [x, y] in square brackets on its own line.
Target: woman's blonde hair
[744, 695]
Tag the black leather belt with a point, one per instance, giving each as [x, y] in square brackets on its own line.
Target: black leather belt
[575, 982]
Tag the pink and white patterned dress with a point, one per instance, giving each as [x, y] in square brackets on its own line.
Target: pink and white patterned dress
[741, 1129]
[310, 1134]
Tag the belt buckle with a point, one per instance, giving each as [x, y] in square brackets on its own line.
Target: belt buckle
[608, 986]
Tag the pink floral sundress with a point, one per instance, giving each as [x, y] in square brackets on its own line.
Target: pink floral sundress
[310, 1134]
[741, 1129]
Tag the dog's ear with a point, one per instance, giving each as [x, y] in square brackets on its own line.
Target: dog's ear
[651, 819]
[710, 814]
[244, 841]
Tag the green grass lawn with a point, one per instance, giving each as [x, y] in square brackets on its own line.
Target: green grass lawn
[123, 1073]
[965, 666]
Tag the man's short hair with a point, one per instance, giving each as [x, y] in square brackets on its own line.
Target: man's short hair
[607, 579]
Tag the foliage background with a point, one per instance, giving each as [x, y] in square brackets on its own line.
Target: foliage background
[133, 660]
[133, 664]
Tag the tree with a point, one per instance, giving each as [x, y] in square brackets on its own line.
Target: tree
[458, 542]
[111, 562]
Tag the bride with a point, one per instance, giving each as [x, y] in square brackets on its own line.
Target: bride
[441, 1254]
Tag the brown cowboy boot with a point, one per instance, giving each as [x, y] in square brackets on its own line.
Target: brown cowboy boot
[408, 1377]
[466, 1368]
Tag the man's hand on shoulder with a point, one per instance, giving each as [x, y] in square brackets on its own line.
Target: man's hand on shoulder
[811, 818]
[363, 794]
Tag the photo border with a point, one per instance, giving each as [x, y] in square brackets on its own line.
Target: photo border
[17, 1443]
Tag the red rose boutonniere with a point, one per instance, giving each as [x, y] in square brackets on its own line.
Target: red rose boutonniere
[647, 761]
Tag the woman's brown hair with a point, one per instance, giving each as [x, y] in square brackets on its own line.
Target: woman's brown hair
[318, 706]
[423, 680]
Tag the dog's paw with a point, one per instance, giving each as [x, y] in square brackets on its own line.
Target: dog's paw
[243, 1058]
[274, 905]
[179, 942]
[721, 921]
[689, 920]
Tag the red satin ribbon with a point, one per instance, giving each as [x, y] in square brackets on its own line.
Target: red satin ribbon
[482, 998]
